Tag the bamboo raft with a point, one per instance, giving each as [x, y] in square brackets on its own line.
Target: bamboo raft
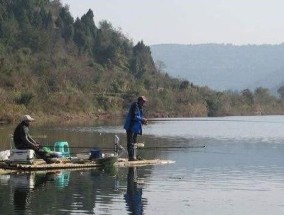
[35, 167]
[39, 164]
[80, 164]
[122, 162]
[26, 162]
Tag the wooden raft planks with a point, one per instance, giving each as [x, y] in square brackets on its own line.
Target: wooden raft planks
[43, 166]
[122, 162]
[56, 166]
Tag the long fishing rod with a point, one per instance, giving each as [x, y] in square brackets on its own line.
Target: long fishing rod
[139, 147]
[172, 147]
[207, 119]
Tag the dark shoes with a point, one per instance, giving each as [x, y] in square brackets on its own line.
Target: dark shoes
[52, 160]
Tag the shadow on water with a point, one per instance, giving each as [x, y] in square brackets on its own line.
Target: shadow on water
[67, 191]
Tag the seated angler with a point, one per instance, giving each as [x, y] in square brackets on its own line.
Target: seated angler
[23, 140]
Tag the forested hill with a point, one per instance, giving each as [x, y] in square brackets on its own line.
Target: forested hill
[225, 66]
[52, 65]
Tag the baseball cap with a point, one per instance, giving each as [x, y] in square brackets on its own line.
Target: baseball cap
[142, 98]
[27, 118]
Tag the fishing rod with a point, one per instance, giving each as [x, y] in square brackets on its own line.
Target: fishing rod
[208, 119]
[172, 147]
[79, 147]
[139, 147]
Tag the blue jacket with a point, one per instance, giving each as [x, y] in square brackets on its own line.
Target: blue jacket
[134, 119]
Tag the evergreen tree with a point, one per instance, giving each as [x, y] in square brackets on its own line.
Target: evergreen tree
[65, 23]
[142, 60]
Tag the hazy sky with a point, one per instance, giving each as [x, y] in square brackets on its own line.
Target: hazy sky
[239, 22]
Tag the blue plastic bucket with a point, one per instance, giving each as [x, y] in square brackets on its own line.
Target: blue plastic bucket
[95, 154]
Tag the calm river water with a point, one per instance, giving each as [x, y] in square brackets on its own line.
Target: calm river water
[239, 171]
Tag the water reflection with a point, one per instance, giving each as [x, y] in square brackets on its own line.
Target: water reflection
[23, 185]
[91, 191]
[133, 196]
[240, 171]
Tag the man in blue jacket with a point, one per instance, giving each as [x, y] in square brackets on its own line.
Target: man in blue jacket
[133, 125]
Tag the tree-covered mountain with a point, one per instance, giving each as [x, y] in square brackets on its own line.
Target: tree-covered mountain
[55, 66]
[224, 67]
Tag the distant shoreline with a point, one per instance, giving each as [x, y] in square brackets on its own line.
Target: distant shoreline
[106, 117]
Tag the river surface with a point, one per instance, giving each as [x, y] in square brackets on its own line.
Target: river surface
[224, 166]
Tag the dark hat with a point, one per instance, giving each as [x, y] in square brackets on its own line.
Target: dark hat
[142, 98]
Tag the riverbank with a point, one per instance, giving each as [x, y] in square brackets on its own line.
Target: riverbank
[85, 118]
[67, 118]
[71, 118]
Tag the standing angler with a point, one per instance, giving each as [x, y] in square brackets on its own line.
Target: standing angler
[133, 125]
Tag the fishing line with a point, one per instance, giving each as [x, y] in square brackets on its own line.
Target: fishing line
[207, 120]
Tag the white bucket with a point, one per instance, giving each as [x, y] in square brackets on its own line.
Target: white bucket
[4, 155]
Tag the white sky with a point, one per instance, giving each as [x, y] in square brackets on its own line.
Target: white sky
[239, 22]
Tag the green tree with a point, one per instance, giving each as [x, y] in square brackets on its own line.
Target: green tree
[248, 96]
[262, 95]
[142, 60]
[85, 32]
[65, 23]
[280, 91]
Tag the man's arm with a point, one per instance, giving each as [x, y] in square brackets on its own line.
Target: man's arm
[138, 114]
[30, 142]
